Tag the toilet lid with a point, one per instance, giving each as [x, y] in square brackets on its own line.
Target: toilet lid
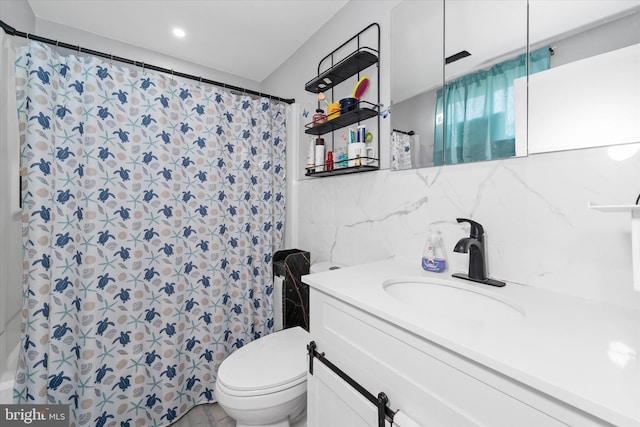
[268, 364]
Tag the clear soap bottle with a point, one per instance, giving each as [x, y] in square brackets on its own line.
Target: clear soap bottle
[434, 258]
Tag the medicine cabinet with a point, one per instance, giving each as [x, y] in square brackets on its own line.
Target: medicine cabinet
[580, 89]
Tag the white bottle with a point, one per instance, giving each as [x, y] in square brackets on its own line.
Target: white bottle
[311, 154]
[319, 155]
[434, 258]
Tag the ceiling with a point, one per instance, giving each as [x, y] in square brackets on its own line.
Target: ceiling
[248, 38]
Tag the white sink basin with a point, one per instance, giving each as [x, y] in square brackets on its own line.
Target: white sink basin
[452, 300]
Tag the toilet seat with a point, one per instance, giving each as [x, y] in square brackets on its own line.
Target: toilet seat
[267, 365]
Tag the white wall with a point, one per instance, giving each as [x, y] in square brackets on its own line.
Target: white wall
[538, 227]
[19, 15]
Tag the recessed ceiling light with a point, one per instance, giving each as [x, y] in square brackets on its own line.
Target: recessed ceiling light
[179, 32]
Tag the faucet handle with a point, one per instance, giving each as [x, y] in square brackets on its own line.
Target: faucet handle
[477, 231]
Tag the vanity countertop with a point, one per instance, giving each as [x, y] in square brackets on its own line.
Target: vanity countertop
[582, 352]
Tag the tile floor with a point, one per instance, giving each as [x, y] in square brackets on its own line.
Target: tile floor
[207, 415]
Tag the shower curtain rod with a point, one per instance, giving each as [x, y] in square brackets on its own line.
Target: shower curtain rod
[13, 32]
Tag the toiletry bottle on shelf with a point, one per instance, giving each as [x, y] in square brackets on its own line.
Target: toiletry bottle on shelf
[341, 160]
[362, 133]
[319, 117]
[329, 164]
[352, 135]
[319, 155]
[311, 154]
[434, 258]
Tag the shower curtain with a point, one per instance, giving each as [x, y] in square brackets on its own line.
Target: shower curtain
[151, 210]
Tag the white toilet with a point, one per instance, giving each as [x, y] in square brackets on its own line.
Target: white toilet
[264, 383]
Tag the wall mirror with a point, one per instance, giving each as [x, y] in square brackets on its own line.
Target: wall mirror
[417, 60]
[485, 45]
[469, 120]
[561, 35]
[590, 95]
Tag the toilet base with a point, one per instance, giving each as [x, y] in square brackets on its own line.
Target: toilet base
[299, 419]
[301, 422]
[284, 423]
[281, 409]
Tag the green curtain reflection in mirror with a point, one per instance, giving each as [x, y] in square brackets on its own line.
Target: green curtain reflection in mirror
[479, 123]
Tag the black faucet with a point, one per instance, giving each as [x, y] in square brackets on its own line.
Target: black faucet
[474, 245]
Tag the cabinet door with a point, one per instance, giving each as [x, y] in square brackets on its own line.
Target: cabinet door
[333, 402]
[480, 104]
[589, 95]
[433, 385]
[587, 103]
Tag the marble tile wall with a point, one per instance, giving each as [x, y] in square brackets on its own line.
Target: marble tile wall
[539, 231]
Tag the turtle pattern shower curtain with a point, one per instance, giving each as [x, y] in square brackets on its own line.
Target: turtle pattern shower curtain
[151, 210]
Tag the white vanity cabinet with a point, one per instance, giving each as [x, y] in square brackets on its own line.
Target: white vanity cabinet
[426, 381]
[333, 402]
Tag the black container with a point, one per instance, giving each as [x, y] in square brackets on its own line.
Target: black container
[291, 264]
[348, 104]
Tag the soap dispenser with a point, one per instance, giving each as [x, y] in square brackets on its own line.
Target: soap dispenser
[434, 257]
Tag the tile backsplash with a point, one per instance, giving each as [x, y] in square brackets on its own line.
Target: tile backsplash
[539, 230]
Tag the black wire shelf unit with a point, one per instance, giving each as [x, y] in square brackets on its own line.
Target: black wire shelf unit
[353, 64]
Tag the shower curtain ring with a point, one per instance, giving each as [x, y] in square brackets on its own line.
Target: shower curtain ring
[111, 59]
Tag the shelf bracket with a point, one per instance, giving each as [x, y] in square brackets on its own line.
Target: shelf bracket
[635, 235]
